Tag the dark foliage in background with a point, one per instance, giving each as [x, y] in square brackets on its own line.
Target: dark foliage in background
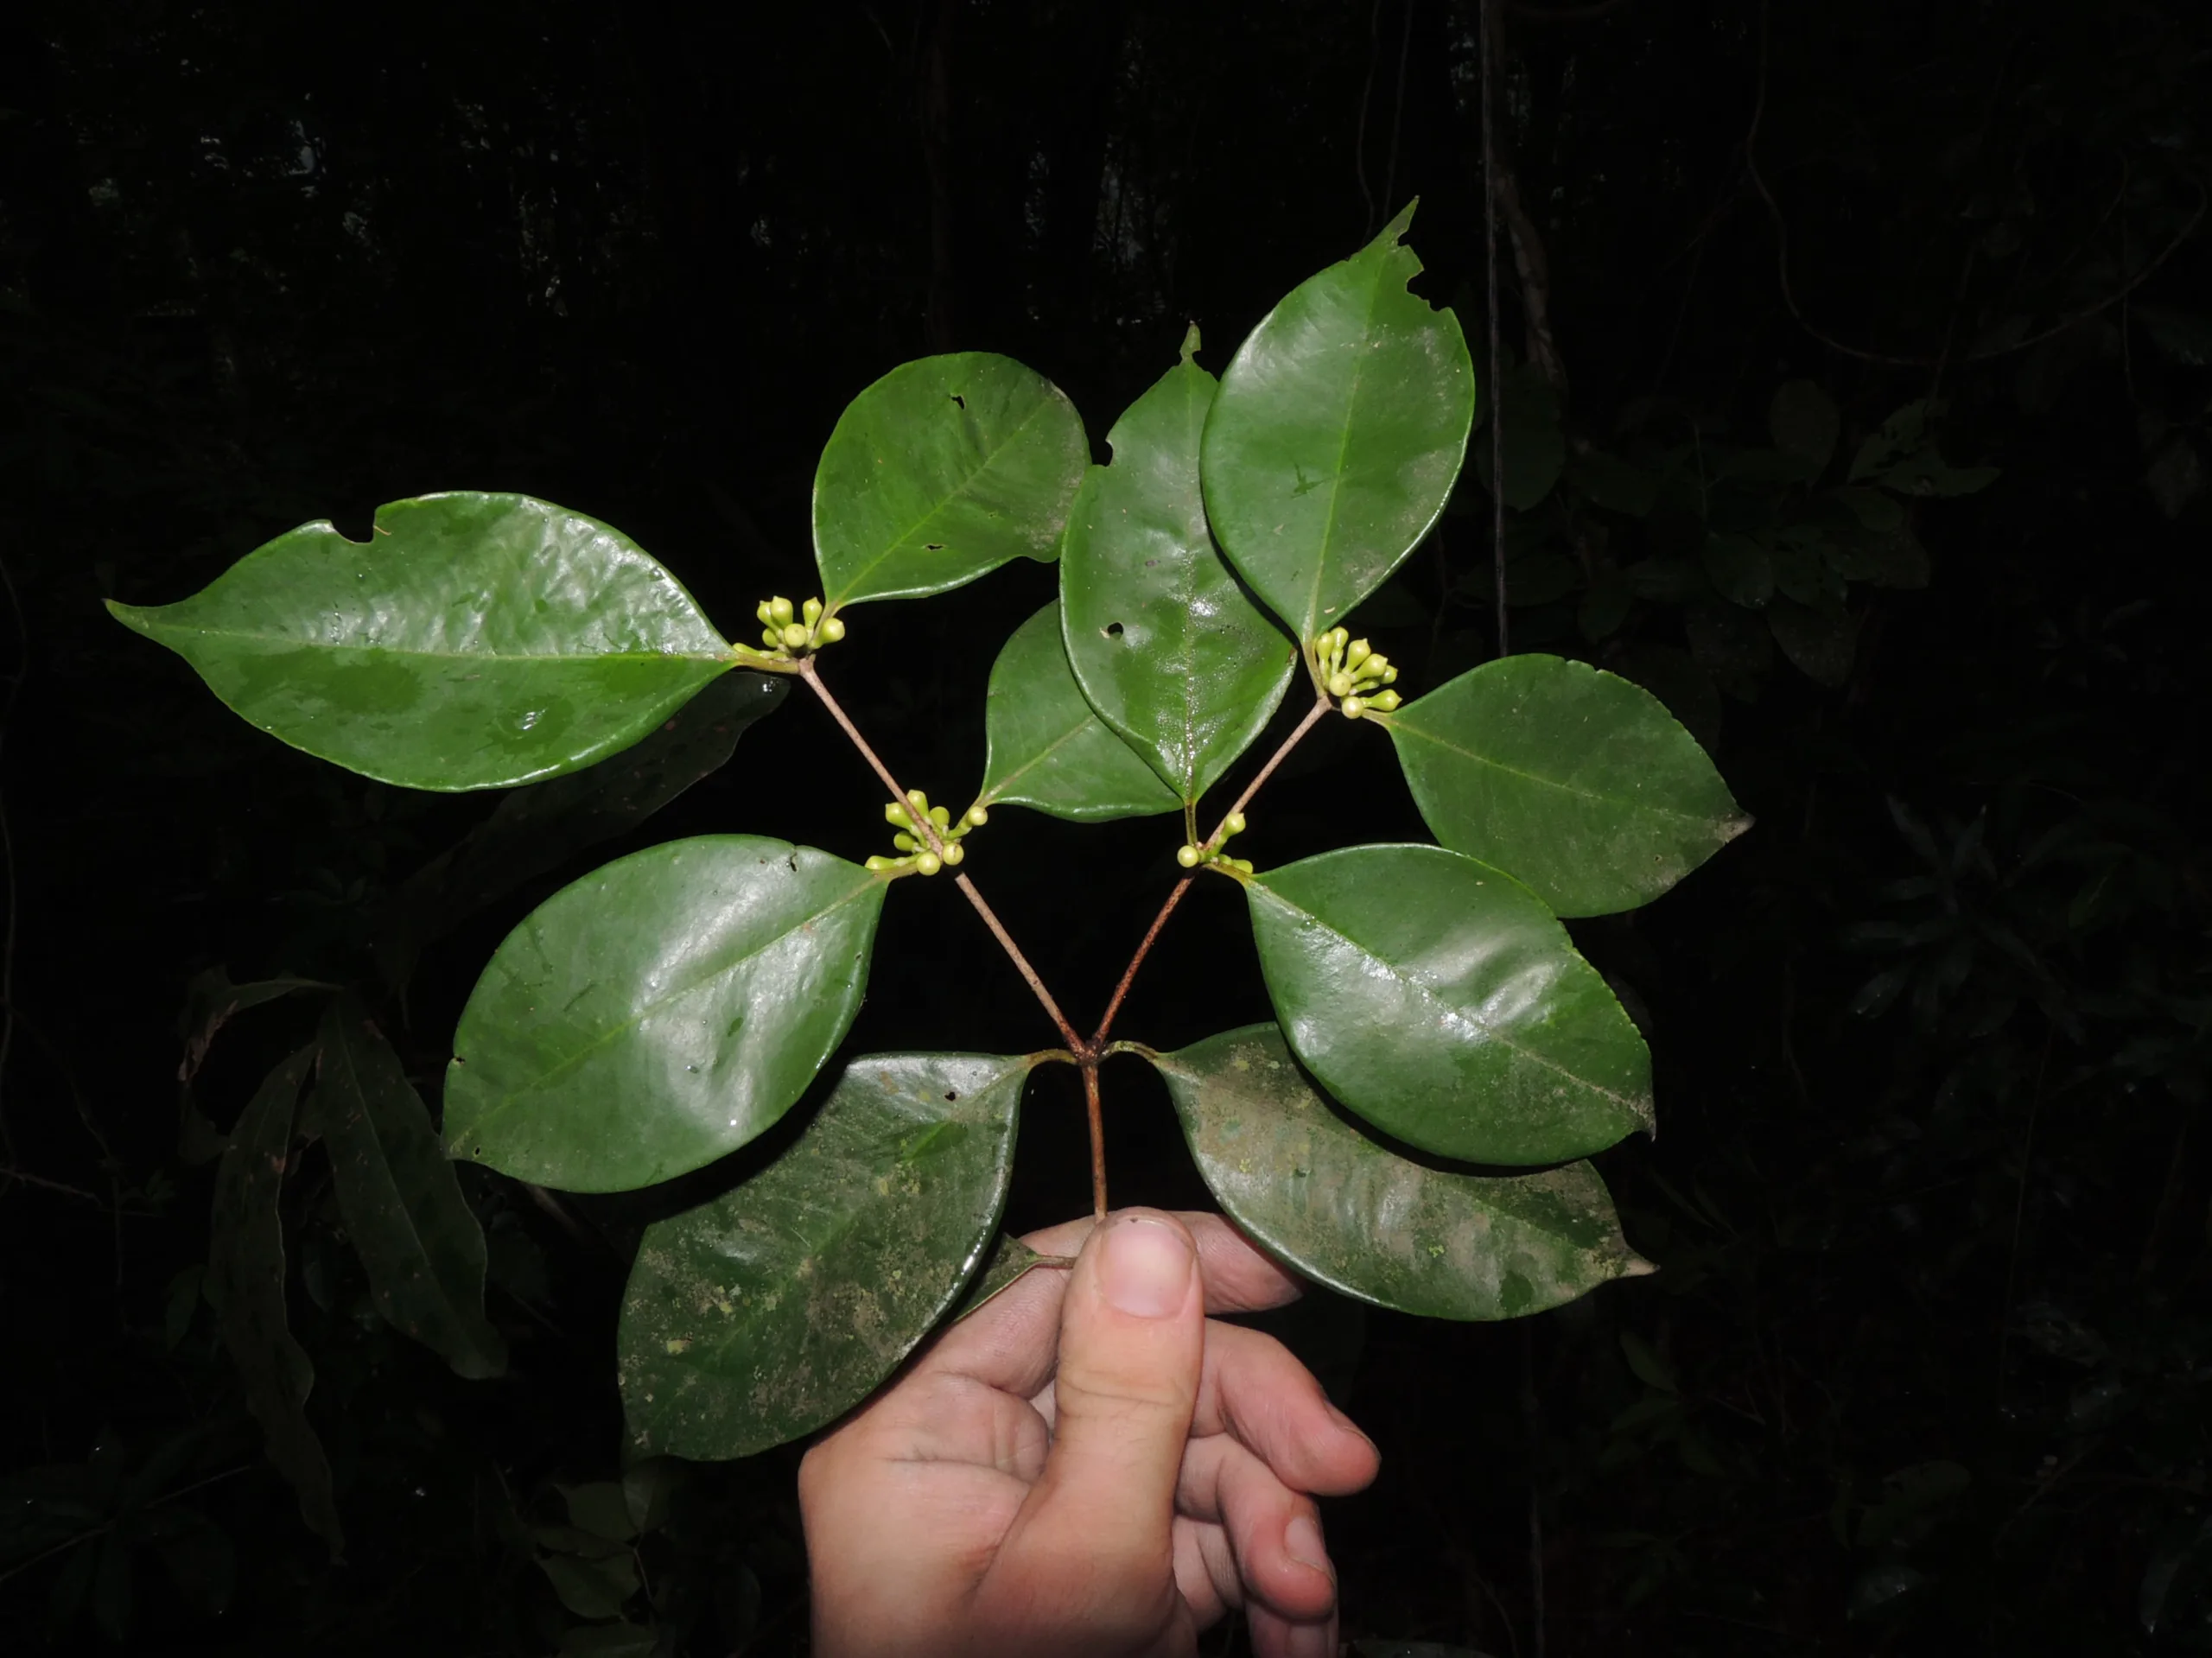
[1927, 1365]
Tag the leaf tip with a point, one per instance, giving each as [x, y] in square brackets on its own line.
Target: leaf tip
[1190, 343]
[1636, 1266]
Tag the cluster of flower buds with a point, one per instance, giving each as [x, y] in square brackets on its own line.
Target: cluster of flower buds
[907, 819]
[1191, 855]
[1356, 676]
[793, 630]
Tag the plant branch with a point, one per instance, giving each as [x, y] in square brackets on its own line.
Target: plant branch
[812, 676]
[1321, 706]
[1098, 1139]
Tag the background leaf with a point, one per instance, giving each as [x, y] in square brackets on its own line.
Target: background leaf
[660, 1012]
[1803, 421]
[475, 641]
[1336, 434]
[1046, 747]
[1535, 444]
[760, 1315]
[940, 471]
[1345, 1211]
[540, 828]
[1440, 999]
[245, 1285]
[1163, 640]
[1572, 780]
[404, 1213]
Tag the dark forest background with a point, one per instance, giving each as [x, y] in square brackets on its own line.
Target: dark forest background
[1927, 1363]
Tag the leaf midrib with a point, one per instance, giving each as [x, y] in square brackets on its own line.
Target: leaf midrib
[721, 969]
[438, 655]
[959, 492]
[1344, 448]
[1626, 802]
[1432, 999]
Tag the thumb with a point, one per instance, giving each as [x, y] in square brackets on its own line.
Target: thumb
[1097, 1526]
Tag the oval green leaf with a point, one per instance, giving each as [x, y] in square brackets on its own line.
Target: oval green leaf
[1340, 1209]
[780, 1305]
[475, 641]
[1438, 999]
[1046, 747]
[1573, 781]
[942, 471]
[1162, 636]
[1337, 435]
[660, 1012]
[421, 1246]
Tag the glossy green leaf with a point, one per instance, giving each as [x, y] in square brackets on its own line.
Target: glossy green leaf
[1572, 780]
[539, 829]
[1340, 1209]
[760, 1315]
[942, 471]
[1162, 636]
[404, 1213]
[1337, 435]
[1011, 1261]
[660, 1012]
[1046, 747]
[475, 641]
[245, 1285]
[1440, 999]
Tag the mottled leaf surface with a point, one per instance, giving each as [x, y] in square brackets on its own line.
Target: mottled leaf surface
[774, 1309]
[1336, 434]
[1575, 781]
[1163, 639]
[1438, 999]
[1345, 1211]
[475, 641]
[539, 829]
[1046, 747]
[245, 1285]
[421, 1247]
[660, 1012]
[942, 471]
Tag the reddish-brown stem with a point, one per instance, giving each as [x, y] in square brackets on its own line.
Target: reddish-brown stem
[1098, 1139]
[808, 672]
[1321, 706]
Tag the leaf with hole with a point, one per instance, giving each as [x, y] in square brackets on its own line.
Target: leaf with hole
[1045, 746]
[245, 1285]
[1328, 1201]
[1572, 780]
[475, 641]
[660, 1012]
[940, 471]
[1438, 999]
[1163, 640]
[1336, 434]
[539, 829]
[421, 1247]
[760, 1315]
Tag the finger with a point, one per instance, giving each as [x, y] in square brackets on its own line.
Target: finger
[1275, 1635]
[1205, 1571]
[1252, 1389]
[1238, 1277]
[1096, 1526]
[1273, 1532]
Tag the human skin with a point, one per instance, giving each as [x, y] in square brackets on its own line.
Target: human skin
[1088, 1467]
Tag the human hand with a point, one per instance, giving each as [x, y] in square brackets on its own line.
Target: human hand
[1088, 1467]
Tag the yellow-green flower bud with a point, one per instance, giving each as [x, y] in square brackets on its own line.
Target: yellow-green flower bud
[832, 631]
[1357, 652]
[765, 612]
[954, 852]
[929, 863]
[773, 638]
[1244, 864]
[895, 813]
[917, 800]
[779, 610]
[941, 817]
[810, 612]
[1188, 856]
[1387, 702]
[977, 817]
[794, 637]
[877, 865]
[1235, 825]
[905, 843]
[1353, 707]
[1340, 685]
[1389, 675]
